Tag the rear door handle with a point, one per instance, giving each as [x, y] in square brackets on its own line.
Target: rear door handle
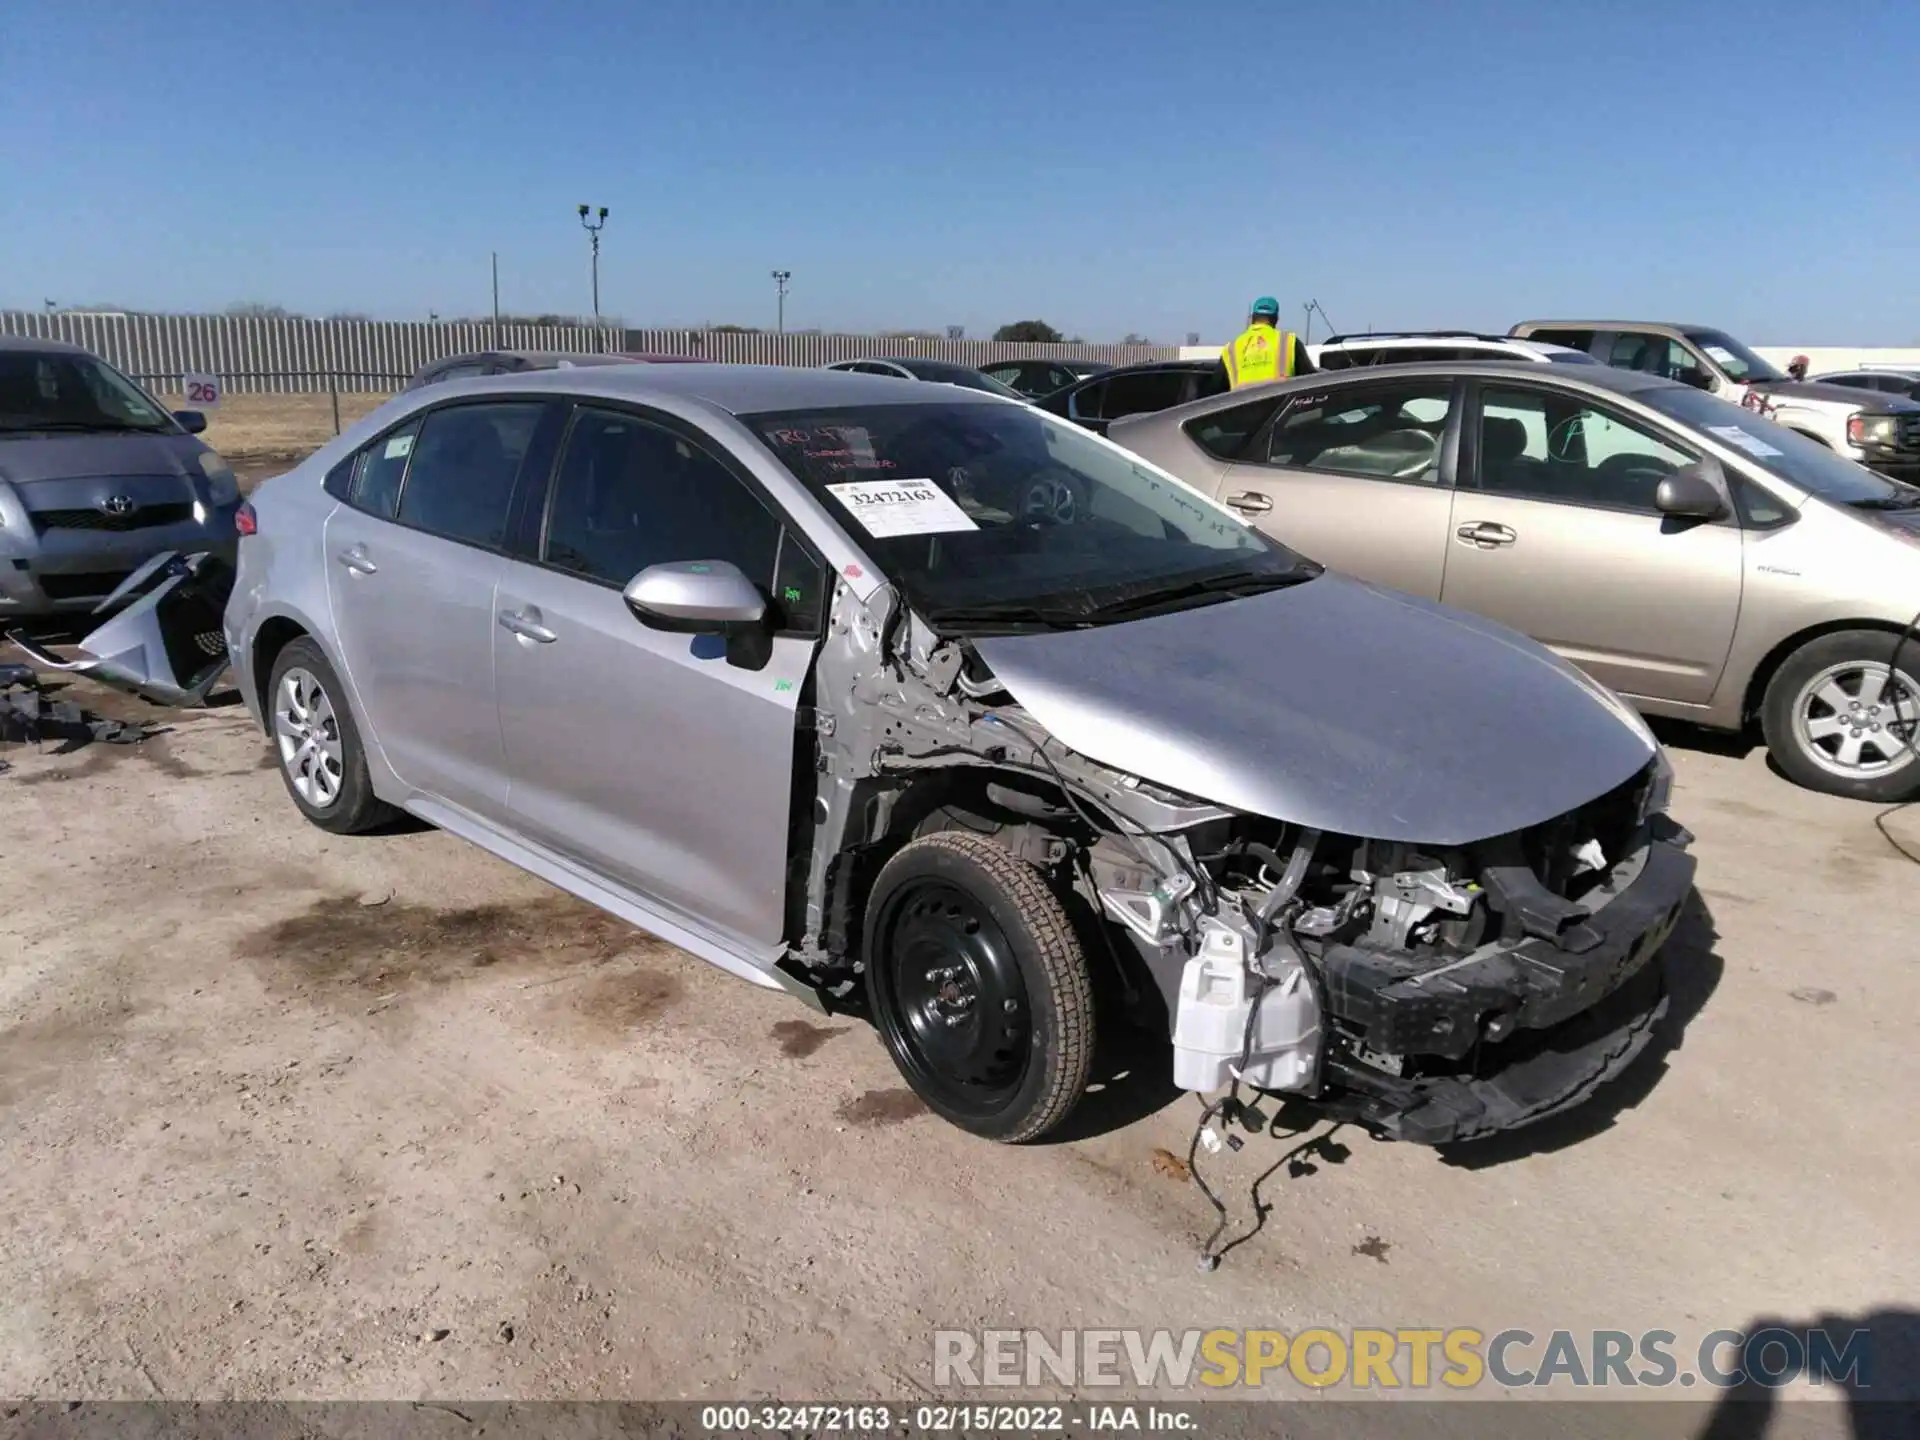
[1250, 501]
[1486, 534]
[355, 559]
[528, 627]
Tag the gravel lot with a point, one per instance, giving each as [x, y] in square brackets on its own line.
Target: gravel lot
[288, 1115]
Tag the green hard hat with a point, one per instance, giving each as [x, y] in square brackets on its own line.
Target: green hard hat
[1266, 305]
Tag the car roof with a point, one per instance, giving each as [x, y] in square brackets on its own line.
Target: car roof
[738, 389]
[33, 344]
[1524, 372]
[1146, 365]
[1674, 325]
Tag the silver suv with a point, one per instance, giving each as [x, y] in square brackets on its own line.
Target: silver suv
[915, 701]
[96, 479]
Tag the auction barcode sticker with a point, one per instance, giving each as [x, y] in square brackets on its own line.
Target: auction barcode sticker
[1745, 439]
[887, 508]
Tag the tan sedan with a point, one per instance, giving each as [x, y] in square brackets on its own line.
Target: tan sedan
[1705, 563]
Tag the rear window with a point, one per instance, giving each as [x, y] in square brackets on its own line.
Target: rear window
[1572, 339]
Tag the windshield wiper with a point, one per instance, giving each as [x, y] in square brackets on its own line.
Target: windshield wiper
[1897, 501]
[1014, 613]
[1226, 587]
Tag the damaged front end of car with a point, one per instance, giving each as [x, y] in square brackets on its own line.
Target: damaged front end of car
[163, 638]
[1431, 992]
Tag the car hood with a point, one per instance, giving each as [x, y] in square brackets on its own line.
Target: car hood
[1336, 705]
[26, 458]
[1874, 401]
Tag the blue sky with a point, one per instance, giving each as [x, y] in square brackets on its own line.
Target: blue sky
[1120, 165]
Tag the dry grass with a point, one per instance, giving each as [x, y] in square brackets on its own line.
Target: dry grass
[276, 427]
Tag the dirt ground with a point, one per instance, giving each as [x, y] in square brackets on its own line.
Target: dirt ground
[288, 1115]
[255, 430]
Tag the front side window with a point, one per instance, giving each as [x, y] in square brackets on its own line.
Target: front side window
[968, 507]
[1375, 431]
[631, 494]
[459, 481]
[65, 391]
[1143, 393]
[1544, 445]
[1085, 404]
[1652, 355]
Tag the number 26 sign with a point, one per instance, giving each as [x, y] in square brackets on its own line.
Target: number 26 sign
[203, 392]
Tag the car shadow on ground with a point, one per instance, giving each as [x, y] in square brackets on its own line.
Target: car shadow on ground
[1132, 1079]
[1874, 1357]
[1679, 735]
[1693, 969]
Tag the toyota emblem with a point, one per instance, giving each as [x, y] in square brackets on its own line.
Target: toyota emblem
[117, 505]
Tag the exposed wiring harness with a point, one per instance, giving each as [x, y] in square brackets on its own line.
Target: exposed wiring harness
[1129, 828]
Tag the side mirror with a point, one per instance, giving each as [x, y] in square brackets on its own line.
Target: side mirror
[695, 597]
[191, 421]
[1694, 376]
[1692, 494]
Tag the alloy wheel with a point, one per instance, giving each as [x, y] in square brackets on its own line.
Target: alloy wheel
[307, 734]
[1858, 720]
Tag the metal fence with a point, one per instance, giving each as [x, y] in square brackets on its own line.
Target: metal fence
[260, 354]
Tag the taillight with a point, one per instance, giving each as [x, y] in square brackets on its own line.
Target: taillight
[1856, 429]
[245, 521]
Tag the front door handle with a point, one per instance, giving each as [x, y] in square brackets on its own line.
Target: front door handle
[1486, 534]
[527, 627]
[1251, 502]
[355, 559]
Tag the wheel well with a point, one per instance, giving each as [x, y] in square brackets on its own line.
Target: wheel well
[271, 638]
[1764, 672]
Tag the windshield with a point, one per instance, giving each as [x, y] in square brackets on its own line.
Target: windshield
[986, 513]
[1793, 457]
[56, 390]
[1730, 355]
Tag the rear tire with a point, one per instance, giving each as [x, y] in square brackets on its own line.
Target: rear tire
[322, 762]
[979, 986]
[1837, 721]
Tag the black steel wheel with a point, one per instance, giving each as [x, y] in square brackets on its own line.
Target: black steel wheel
[979, 986]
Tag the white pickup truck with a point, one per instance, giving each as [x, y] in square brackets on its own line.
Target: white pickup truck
[1879, 431]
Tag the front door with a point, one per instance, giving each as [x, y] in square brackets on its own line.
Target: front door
[657, 761]
[413, 557]
[1355, 477]
[1555, 533]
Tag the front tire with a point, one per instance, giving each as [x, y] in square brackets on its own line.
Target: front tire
[1838, 720]
[979, 986]
[322, 761]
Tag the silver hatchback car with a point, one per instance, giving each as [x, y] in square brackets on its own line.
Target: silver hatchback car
[920, 703]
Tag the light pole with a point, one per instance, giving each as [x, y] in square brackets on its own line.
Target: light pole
[780, 278]
[593, 228]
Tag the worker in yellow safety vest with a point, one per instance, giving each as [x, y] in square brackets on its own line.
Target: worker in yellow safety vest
[1263, 351]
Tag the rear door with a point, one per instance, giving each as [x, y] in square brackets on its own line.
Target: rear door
[1555, 533]
[662, 762]
[413, 558]
[1357, 477]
